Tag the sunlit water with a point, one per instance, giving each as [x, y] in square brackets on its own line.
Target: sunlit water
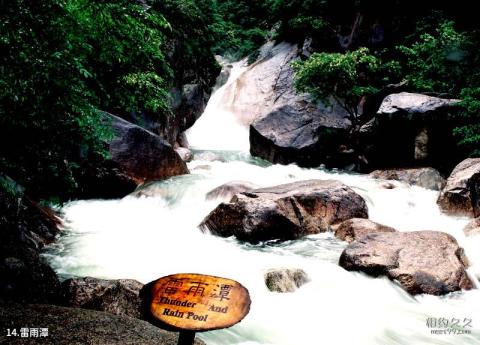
[149, 237]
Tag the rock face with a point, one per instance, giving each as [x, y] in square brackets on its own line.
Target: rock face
[356, 228]
[428, 262]
[472, 228]
[285, 279]
[142, 155]
[285, 127]
[228, 190]
[292, 134]
[189, 103]
[25, 229]
[406, 105]
[119, 297]
[412, 129]
[73, 326]
[461, 193]
[423, 177]
[285, 212]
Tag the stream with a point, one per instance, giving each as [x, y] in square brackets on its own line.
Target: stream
[148, 237]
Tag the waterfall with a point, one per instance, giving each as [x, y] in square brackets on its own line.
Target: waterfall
[225, 131]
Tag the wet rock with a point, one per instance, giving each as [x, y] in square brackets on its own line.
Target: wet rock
[423, 177]
[297, 135]
[285, 212]
[26, 227]
[472, 228]
[406, 105]
[142, 155]
[356, 228]
[185, 154]
[412, 129]
[74, 326]
[119, 297]
[224, 73]
[462, 191]
[285, 279]
[428, 262]
[228, 190]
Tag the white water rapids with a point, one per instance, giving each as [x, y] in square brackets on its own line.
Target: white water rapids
[149, 237]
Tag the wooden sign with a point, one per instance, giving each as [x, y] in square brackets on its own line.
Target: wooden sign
[198, 302]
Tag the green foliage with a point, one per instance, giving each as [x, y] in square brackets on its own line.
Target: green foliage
[240, 27]
[47, 117]
[65, 59]
[347, 77]
[190, 39]
[469, 134]
[127, 68]
[437, 62]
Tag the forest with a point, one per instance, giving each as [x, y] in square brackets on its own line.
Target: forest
[67, 60]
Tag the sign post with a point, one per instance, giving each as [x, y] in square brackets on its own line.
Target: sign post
[197, 303]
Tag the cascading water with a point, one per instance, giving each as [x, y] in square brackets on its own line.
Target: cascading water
[145, 238]
[218, 128]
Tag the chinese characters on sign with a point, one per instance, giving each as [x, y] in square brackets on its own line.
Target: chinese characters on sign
[199, 302]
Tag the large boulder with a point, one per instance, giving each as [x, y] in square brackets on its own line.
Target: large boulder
[26, 227]
[285, 212]
[407, 105]
[356, 228]
[74, 326]
[428, 178]
[305, 136]
[461, 193]
[119, 297]
[285, 279]
[428, 262]
[227, 190]
[136, 156]
[142, 155]
[412, 129]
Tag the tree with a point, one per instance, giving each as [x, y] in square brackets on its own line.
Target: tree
[346, 77]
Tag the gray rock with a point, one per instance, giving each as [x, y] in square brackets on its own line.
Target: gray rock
[412, 129]
[74, 326]
[304, 136]
[461, 195]
[423, 177]
[356, 228]
[285, 212]
[408, 105]
[142, 155]
[119, 297]
[227, 190]
[428, 262]
[185, 154]
[285, 279]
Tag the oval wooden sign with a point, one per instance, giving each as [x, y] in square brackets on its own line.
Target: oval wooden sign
[199, 302]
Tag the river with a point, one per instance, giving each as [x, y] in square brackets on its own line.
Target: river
[148, 237]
